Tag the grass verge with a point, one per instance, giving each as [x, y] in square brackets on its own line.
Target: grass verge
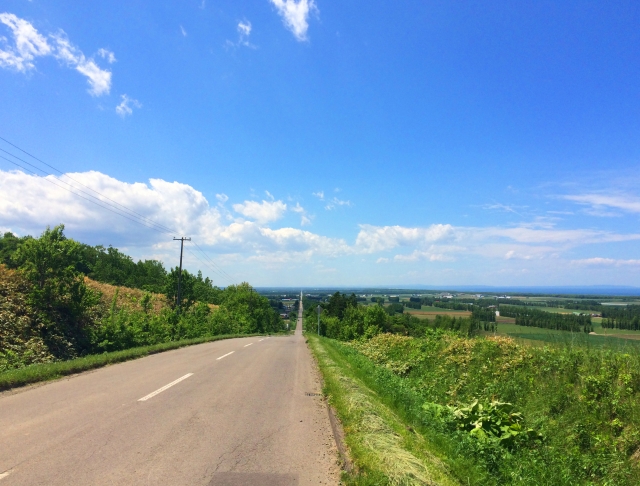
[50, 371]
[385, 447]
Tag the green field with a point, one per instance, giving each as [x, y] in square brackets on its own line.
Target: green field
[613, 339]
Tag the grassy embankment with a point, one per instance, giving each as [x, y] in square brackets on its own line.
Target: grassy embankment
[394, 393]
[381, 446]
[50, 371]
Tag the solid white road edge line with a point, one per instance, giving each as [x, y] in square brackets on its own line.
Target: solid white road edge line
[225, 355]
[248, 345]
[160, 390]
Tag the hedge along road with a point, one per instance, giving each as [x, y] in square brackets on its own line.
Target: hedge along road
[231, 412]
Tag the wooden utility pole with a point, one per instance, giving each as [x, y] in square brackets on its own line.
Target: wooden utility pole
[182, 240]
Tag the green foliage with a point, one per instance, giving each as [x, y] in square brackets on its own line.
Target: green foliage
[339, 303]
[47, 312]
[495, 421]
[584, 402]
[9, 244]
[65, 305]
[395, 308]
[548, 320]
[112, 266]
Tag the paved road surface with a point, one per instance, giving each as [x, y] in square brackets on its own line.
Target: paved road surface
[241, 419]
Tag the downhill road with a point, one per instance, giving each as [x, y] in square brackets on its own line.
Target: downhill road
[237, 413]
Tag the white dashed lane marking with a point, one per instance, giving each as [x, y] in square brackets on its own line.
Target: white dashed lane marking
[160, 390]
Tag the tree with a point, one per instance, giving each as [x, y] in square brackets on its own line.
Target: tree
[9, 244]
[65, 304]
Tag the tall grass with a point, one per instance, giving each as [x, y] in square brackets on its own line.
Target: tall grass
[583, 400]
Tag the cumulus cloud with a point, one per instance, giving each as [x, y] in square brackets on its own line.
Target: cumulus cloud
[319, 195]
[295, 15]
[261, 212]
[28, 44]
[177, 206]
[29, 203]
[126, 106]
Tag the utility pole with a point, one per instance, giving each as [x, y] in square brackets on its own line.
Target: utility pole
[182, 240]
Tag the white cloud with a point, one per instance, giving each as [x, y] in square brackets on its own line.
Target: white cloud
[172, 204]
[126, 106]
[29, 44]
[476, 252]
[182, 31]
[99, 79]
[502, 207]
[607, 262]
[319, 195]
[372, 239]
[264, 212]
[244, 32]
[244, 28]
[423, 255]
[305, 219]
[597, 202]
[441, 242]
[107, 54]
[295, 15]
[335, 202]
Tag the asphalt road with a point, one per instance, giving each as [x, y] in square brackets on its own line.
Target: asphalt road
[240, 414]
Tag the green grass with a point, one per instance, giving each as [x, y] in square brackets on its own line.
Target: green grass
[50, 371]
[610, 341]
[583, 400]
[385, 432]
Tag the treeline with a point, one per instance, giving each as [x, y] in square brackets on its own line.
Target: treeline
[547, 320]
[49, 313]
[626, 318]
[342, 318]
[107, 265]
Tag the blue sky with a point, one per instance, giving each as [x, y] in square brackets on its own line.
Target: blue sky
[334, 143]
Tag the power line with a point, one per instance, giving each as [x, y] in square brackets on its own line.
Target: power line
[132, 215]
[215, 272]
[86, 199]
[213, 263]
[69, 177]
